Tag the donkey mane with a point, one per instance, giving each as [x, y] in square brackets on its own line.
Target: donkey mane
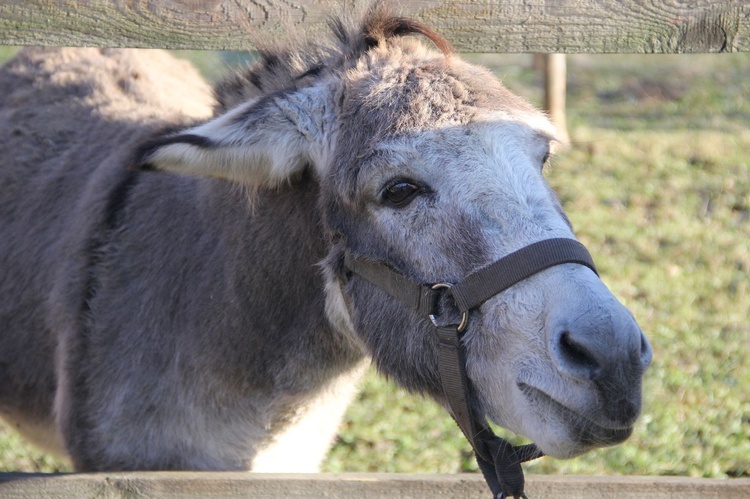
[299, 64]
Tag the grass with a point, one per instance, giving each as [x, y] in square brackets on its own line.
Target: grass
[657, 184]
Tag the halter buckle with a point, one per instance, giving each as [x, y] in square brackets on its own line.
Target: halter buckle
[464, 315]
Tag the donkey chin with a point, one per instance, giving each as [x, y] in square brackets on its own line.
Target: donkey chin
[568, 424]
[568, 432]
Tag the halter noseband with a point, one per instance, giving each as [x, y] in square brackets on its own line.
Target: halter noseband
[499, 461]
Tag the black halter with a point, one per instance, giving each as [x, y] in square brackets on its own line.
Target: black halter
[499, 461]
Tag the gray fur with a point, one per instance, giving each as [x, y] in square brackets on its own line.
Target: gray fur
[166, 321]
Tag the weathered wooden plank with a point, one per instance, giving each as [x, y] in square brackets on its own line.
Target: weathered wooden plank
[547, 26]
[184, 485]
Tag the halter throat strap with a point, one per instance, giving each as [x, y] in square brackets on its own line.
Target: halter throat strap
[499, 461]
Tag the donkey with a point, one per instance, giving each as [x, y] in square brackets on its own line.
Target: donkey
[175, 290]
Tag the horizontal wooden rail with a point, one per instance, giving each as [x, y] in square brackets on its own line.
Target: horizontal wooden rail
[543, 26]
[373, 486]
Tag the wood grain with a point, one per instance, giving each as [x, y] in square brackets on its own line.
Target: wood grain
[186, 484]
[543, 26]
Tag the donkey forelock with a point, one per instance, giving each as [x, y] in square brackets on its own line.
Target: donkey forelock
[300, 64]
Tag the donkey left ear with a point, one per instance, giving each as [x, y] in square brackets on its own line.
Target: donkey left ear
[262, 142]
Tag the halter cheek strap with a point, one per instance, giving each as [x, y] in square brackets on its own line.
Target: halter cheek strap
[499, 461]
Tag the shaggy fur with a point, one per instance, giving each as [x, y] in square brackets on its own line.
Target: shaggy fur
[159, 321]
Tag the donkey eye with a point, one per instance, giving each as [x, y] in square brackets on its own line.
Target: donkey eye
[400, 193]
[545, 159]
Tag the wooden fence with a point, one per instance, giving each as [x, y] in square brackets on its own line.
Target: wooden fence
[540, 26]
[184, 485]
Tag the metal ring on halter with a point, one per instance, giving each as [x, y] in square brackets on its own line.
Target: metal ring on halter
[464, 315]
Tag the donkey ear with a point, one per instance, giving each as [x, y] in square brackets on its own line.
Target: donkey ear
[262, 142]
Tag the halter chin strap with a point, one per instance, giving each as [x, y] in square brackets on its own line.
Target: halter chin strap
[499, 461]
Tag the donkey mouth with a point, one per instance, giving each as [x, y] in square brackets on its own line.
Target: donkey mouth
[586, 431]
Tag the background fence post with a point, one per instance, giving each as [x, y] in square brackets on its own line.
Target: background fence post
[555, 75]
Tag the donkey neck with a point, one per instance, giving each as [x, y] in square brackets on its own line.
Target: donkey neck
[272, 276]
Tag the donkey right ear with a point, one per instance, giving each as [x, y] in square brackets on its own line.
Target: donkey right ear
[262, 142]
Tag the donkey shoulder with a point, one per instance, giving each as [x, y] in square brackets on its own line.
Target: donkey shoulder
[69, 119]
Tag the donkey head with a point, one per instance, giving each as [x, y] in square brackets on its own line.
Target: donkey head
[431, 166]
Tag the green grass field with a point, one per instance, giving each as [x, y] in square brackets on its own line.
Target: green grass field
[657, 184]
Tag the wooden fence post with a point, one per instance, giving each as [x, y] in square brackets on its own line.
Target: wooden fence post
[555, 76]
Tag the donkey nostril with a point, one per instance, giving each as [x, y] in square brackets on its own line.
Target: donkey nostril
[577, 357]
